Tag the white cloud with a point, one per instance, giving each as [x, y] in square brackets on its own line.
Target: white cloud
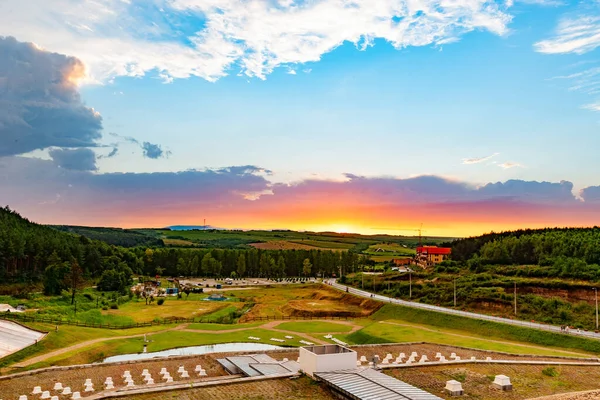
[477, 160]
[133, 37]
[573, 35]
[508, 165]
[592, 107]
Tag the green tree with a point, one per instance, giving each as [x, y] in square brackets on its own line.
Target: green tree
[280, 267]
[241, 265]
[306, 267]
[74, 279]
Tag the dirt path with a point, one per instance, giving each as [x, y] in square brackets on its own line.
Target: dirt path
[81, 345]
[485, 340]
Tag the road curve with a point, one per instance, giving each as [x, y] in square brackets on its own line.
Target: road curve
[444, 310]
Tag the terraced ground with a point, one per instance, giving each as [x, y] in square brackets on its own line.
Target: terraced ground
[528, 380]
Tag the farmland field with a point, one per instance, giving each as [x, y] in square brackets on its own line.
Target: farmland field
[245, 239]
[281, 245]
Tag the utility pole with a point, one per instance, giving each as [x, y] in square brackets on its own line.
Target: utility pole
[454, 292]
[515, 296]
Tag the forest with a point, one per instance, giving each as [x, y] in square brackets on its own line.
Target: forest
[33, 253]
[554, 272]
[114, 236]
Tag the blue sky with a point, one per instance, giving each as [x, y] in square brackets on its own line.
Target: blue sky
[418, 110]
[471, 91]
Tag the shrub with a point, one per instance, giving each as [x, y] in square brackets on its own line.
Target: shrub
[160, 301]
[114, 306]
[105, 308]
[550, 371]
[88, 296]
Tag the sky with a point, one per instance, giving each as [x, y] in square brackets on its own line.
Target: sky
[368, 116]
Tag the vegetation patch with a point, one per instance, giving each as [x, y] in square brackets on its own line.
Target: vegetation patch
[314, 327]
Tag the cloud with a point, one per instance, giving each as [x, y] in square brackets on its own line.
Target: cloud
[153, 151]
[75, 159]
[209, 38]
[508, 165]
[591, 194]
[113, 152]
[592, 107]
[577, 35]
[529, 191]
[149, 150]
[242, 196]
[478, 160]
[40, 106]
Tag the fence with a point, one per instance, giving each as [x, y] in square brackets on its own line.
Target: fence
[35, 319]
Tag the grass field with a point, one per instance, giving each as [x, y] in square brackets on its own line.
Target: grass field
[390, 324]
[314, 327]
[393, 249]
[328, 240]
[138, 311]
[283, 245]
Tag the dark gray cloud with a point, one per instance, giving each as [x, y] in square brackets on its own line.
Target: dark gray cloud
[81, 159]
[530, 191]
[40, 105]
[113, 152]
[150, 150]
[153, 151]
[246, 169]
[591, 194]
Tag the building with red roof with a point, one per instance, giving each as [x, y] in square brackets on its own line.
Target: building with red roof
[431, 255]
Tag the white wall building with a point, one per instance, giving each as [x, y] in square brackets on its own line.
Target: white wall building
[326, 358]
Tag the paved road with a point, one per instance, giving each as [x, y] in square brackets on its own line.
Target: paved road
[534, 325]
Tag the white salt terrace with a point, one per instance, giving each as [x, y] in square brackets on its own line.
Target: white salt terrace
[14, 337]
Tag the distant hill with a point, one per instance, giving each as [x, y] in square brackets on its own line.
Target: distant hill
[114, 236]
[192, 227]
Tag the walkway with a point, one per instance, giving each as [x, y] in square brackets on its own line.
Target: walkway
[482, 317]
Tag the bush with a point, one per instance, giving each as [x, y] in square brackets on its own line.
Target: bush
[88, 296]
[160, 301]
[550, 371]
[105, 308]
[114, 306]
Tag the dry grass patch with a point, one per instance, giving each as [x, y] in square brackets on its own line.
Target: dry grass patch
[274, 389]
[307, 301]
[172, 308]
[528, 380]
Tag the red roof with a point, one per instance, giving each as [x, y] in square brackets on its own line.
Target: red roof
[434, 250]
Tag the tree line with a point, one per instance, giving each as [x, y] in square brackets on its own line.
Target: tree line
[31, 253]
[531, 246]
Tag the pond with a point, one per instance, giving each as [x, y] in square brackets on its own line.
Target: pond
[195, 350]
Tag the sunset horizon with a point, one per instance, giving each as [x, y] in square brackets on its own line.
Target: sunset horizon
[466, 118]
